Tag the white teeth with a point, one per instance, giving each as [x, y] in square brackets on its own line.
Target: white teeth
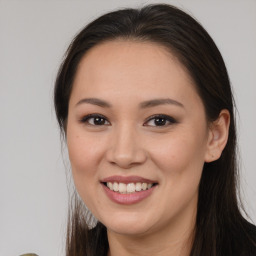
[144, 186]
[115, 186]
[131, 188]
[150, 186]
[122, 188]
[110, 185]
[138, 186]
[128, 188]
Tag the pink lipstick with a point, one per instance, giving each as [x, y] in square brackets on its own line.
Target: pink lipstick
[128, 190]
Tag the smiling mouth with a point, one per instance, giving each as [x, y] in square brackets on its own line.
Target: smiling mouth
[128, 188]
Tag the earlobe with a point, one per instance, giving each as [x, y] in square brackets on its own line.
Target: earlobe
[218, 136]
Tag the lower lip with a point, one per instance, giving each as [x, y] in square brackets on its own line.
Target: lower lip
[128, 199]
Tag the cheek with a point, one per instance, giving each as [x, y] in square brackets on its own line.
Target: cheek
[180, 157]
[79, 154]
[85, 154]
[84, 150]
[179, 149]
[181, 161]
[84, 158]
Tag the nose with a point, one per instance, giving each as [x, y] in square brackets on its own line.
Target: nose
[126, 148]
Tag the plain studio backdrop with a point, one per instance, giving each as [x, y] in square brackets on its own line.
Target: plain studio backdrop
[33, 38]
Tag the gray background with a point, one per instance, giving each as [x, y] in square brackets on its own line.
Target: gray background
[33, 38]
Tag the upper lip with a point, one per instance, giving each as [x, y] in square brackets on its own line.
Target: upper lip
[127, 179]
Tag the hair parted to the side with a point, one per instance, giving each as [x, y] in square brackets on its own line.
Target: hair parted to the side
[219, 220]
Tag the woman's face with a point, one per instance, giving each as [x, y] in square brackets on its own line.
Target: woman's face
[137, 138]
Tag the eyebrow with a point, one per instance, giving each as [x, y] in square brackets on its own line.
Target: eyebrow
[94, 101]
[157, 102]
[144, 104]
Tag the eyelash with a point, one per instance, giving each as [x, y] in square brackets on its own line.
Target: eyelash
[94, 116]
[165, 119]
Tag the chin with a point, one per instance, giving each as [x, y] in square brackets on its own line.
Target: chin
[128, 226]
[128, 230]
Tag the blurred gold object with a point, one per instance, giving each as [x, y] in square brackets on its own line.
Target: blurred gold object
[29, 254]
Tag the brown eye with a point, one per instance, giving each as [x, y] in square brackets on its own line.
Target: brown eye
[94, 119]
[160, 120]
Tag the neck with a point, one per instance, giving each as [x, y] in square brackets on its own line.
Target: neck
[161, 243]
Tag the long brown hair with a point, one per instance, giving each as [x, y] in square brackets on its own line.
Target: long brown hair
[219, 221]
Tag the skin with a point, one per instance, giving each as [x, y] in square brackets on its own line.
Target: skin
[124, 74]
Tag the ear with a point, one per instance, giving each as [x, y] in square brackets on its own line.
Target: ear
[218, 136]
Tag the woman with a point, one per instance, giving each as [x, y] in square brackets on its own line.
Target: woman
[144, 101]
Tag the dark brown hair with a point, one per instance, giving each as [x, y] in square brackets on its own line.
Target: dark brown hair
[220, 228]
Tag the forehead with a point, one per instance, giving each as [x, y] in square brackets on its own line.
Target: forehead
[131, 68]
[132, 55]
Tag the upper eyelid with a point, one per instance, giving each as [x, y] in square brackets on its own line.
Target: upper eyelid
[170, 119]
[161, 116]
[86, 117]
